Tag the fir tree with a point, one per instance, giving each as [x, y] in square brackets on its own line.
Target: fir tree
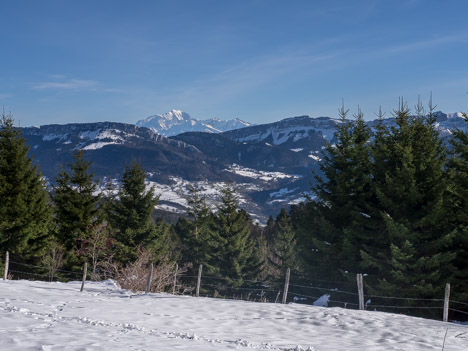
[131, 217]
[457, 209]
[411, 244]
[269, 230]
[285, 251]
[76, 206]
[329, 229]
[25, 211]
[198, 234]
[238, 258]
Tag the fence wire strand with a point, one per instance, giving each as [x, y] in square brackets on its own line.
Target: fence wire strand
[42, 267]
[405, 307]
[334, 301]
[262, 290]
[455, 310]
[324, 289]
[28, 273]
[402, 298]
[461, 303]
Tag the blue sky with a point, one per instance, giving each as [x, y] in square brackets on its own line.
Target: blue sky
[258, 60]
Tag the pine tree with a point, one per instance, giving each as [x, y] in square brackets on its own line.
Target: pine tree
[457, 209]
[285, 252]
[25, 212]
[198, 234]
[411, 246]
[238, 258]
[329, 229]
[131, 217]
[76, 207]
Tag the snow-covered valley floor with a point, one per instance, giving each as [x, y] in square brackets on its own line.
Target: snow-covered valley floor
[56, 316]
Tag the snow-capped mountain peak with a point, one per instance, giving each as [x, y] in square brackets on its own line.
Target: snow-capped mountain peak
[177, 122]
[177, 114]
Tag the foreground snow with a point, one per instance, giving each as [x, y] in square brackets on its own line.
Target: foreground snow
[56, 316]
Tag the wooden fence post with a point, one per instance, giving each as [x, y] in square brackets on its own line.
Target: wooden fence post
[199, 279]
[175, 278]
[286, 285]
[446, 302]
[360, 285]
[7, 263]
[150, 277]
[85, 272]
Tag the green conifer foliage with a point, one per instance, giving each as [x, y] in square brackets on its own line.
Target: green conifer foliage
[457, 210]
[76, 205]
[285, 252]
[25, 211]
[198, 234]
[329, 229]
[238, 256]
[411, 244]
[131, 217]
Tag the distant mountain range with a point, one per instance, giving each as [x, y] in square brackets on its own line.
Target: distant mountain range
[177, 121]
[271, 165]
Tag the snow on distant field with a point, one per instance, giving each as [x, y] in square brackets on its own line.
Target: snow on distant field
[56, 316]
[50, 137]
[178, 192]
[99, 145]
[262, 175]
[168, 208]
[169, 193]
[315, 157]
[280, 135]
[173, 196]
[89, 134]
[282, 192]
[107, 134]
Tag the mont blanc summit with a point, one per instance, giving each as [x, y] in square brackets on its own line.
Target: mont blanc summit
[177, 121]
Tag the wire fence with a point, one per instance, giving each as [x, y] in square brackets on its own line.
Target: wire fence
[295, 289]
[21, 270]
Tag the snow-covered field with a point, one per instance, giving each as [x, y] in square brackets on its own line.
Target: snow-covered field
[56, 316]
[262, 175]
[173, 197]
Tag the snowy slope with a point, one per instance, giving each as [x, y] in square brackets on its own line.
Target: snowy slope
[56, 316]
[296, 131]
[176, 122]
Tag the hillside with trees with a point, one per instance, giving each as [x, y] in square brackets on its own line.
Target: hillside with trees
[390, 202]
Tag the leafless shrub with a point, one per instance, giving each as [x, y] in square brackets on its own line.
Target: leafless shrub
[97, 248]
[134, 275]
[53, 258]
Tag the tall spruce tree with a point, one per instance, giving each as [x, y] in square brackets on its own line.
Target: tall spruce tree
[131, 217]
[238, 259]
[411, 246]
[329, 229]
[25, 211]
[200, 239]
[285, 250]
[457, 210]
[76, 207]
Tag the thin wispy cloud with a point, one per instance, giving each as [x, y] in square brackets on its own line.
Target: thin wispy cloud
[60, 82]
[253, 73]
[423, 44]
[71, 84]
[350, 57]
